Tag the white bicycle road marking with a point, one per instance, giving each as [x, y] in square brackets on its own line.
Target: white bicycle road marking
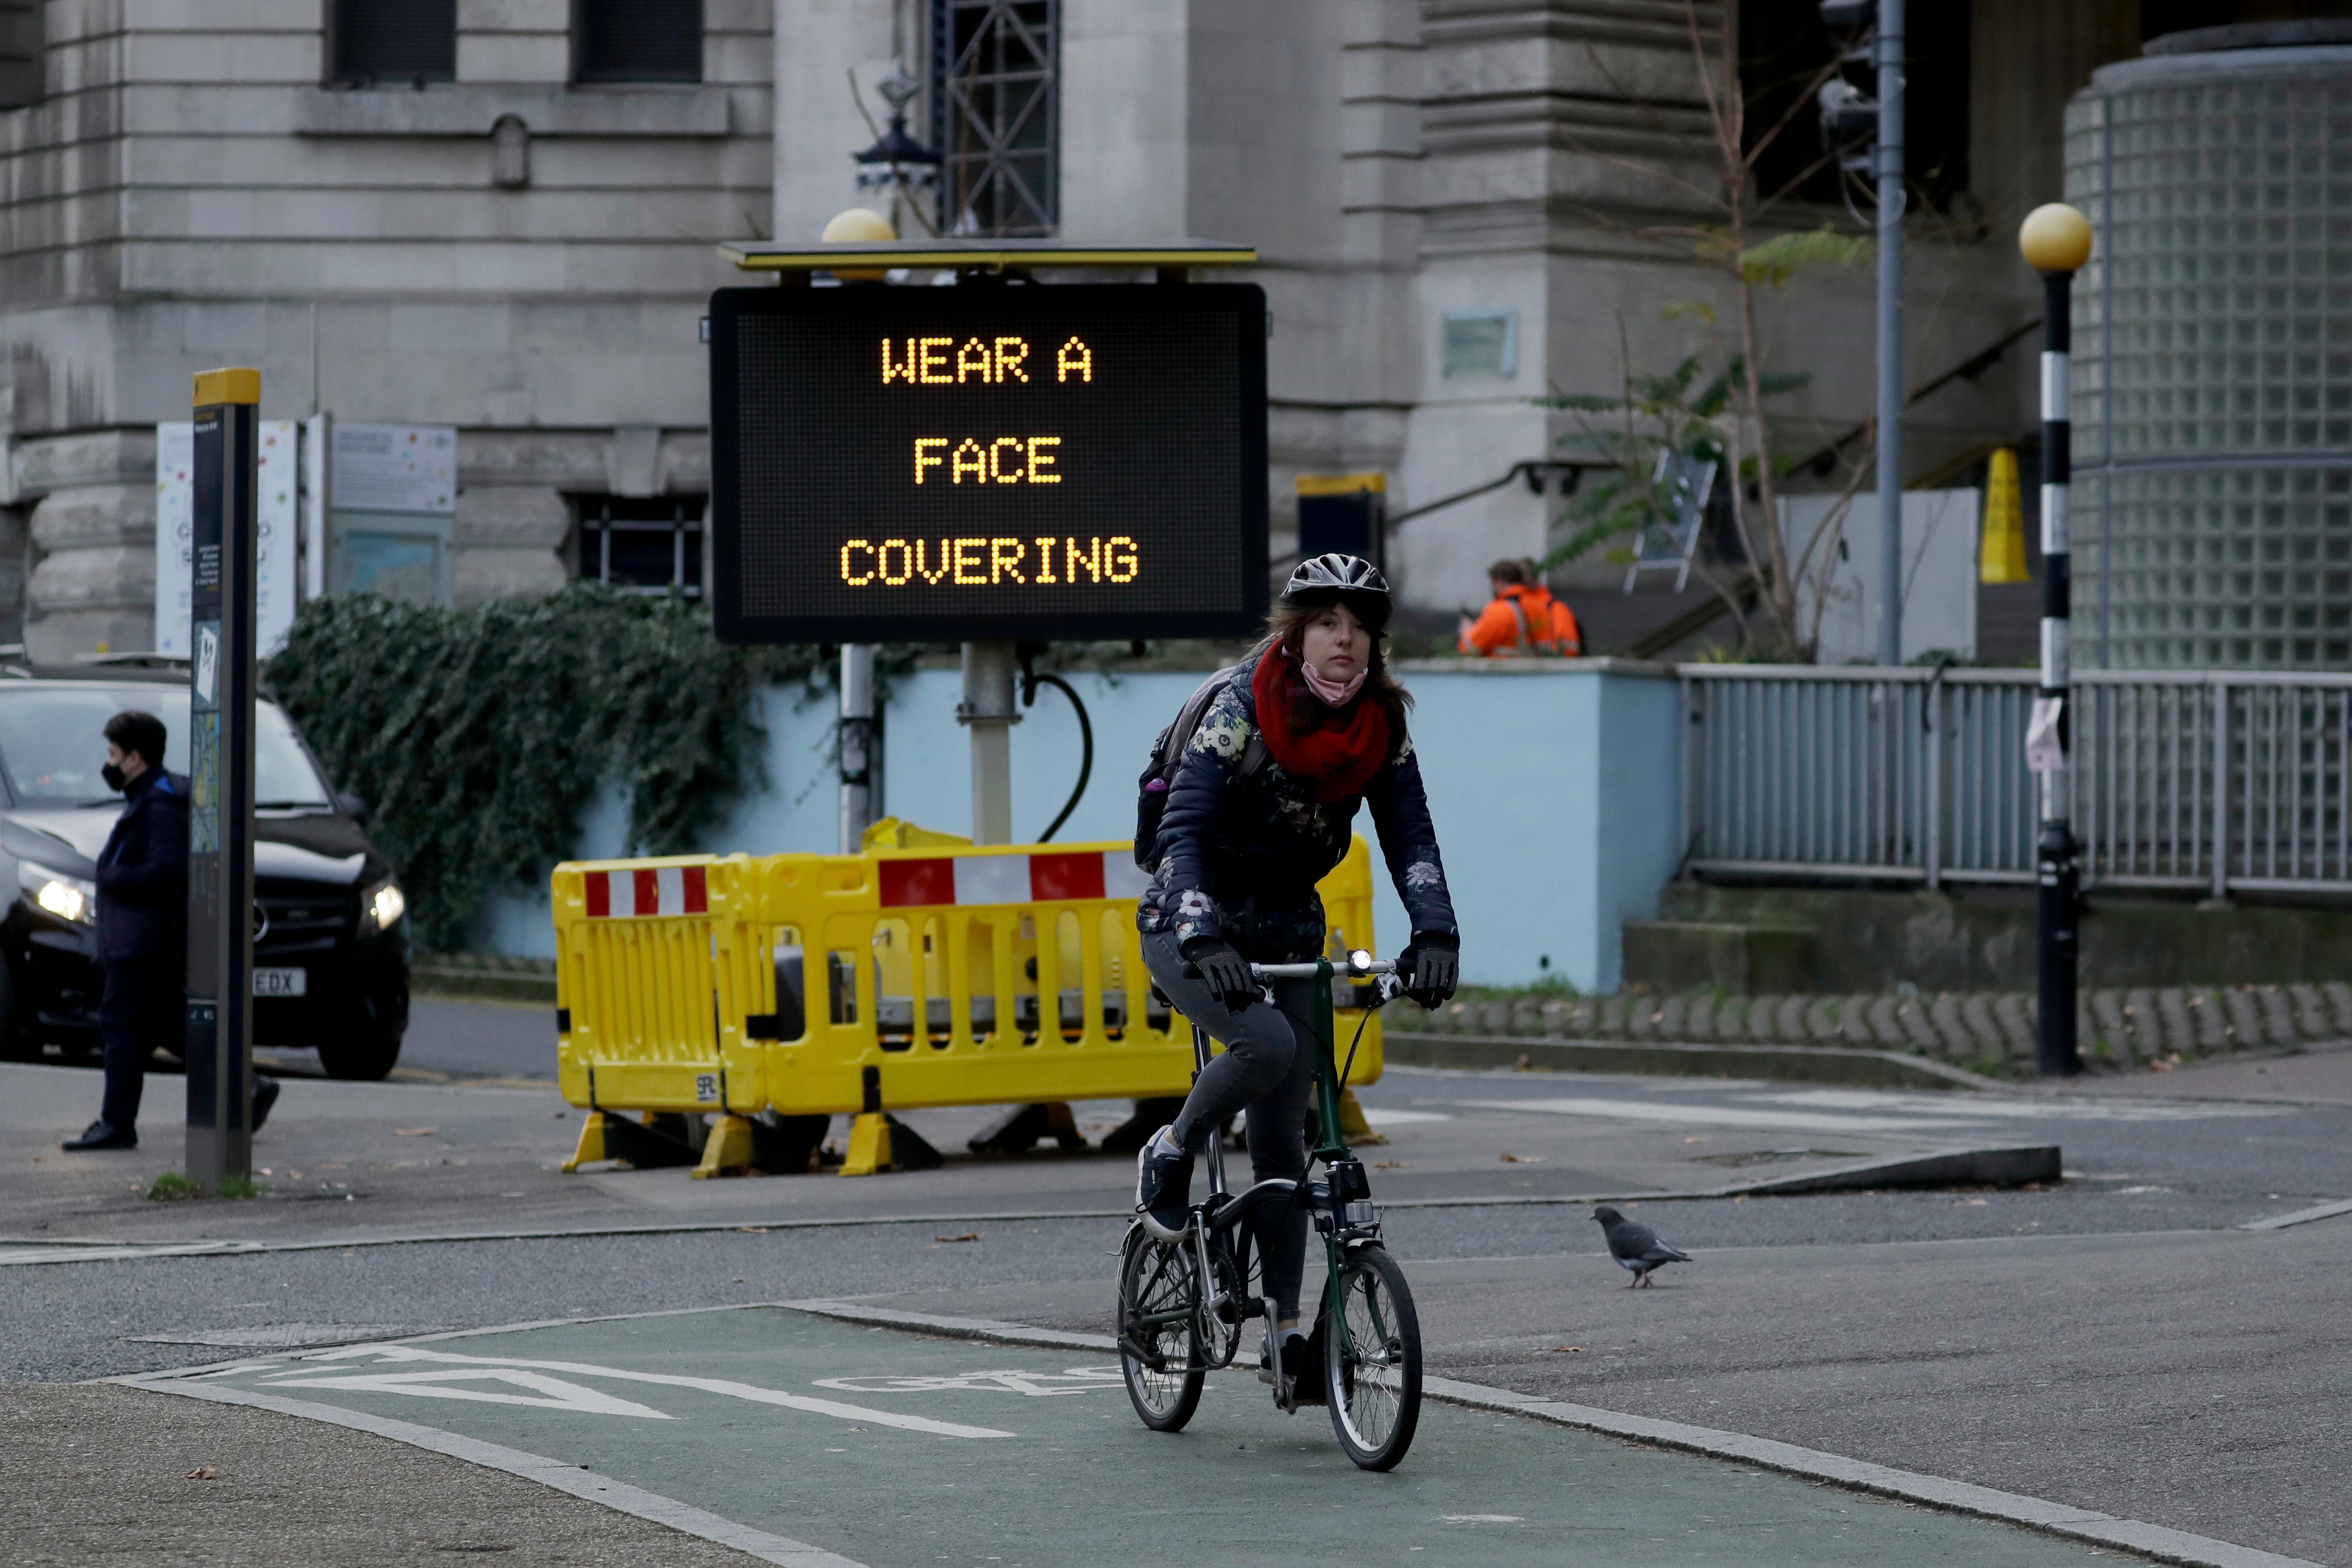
[123, 1252]
[1720, 1115]
[1044, 1384]
[1989, 1106]
[554, 1393]
[383, 1355]
[1374, 1116]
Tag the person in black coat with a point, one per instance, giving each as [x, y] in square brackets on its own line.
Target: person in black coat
[142, 928]
[1309, 727]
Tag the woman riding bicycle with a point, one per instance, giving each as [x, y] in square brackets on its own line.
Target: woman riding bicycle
[1243, 841]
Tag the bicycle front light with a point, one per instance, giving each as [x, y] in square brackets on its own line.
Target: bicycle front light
[382, 906]
[68, 898]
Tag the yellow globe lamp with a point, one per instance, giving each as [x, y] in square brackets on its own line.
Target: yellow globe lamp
[859, 225]
[2054, 238]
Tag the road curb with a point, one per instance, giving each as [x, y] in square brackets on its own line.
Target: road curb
[2153, 1540]
[1849, 1066]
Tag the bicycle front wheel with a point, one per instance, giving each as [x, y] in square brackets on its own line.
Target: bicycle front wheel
[1371, 1373]
[1159, 1353]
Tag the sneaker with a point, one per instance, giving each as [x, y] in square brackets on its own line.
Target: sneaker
[1164, 1185]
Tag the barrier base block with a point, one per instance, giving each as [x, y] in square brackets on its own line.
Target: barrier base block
[1150, 1115]
[728, 1148]
[1352, 1125]
[880, 1142]
[641, 1145]
[1018, 1130]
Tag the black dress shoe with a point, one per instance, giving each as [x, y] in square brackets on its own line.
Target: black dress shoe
[99, 1135]
[265, 1096]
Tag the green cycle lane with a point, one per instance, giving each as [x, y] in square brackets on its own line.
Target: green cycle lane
[900, 1450]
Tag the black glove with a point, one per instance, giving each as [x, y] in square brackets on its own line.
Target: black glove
[1226, 972]
[1431, 964]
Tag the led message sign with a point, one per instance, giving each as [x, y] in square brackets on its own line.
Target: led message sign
[1036, 462]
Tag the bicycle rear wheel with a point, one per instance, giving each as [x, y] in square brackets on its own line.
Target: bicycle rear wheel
[1160, 1352]
[1371, 1375]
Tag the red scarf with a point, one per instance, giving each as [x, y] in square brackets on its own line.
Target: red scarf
[1339, 755]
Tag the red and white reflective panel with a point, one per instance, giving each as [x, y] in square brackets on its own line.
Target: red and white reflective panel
[1044, 878]
[647, 890]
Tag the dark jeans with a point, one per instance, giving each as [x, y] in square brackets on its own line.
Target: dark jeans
[1268, 1067]
[142, 1009]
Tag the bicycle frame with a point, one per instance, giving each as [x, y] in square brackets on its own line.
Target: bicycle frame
[1335, 1211]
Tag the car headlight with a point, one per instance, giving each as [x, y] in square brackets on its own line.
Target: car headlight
[382, 906]
[68, 898]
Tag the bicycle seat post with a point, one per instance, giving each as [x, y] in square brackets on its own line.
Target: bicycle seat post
[1216, 1138]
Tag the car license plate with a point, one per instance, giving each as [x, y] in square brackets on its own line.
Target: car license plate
[281, 982]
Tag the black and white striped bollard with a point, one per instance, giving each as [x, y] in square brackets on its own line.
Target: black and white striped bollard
[2056, 241]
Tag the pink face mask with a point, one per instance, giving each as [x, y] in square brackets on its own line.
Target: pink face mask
[1334, 694]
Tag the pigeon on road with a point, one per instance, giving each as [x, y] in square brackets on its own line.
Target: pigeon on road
[1635, 1246]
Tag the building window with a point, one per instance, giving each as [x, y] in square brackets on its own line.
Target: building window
[996, 114]
[20, 53]
[637, 40]
[394, 41]
[646, 546]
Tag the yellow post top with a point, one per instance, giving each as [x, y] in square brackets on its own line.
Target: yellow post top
[239, 384]
[2054, 237]
[945, 255]
[1342, 483]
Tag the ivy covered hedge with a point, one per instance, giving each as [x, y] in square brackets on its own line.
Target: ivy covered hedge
[478, 737]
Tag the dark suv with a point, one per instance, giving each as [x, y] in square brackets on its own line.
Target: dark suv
[330, 955]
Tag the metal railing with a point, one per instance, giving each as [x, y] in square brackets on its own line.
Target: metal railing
[2205, 779]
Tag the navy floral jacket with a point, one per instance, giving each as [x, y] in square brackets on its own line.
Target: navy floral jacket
[1239, 858]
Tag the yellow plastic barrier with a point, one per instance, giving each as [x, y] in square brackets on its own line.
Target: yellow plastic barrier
[636, 984]
[921, 970]
[906, 976]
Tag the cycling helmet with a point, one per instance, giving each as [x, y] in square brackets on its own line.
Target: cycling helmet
[1342, 579]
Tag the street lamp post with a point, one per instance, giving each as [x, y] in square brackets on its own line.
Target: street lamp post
[2056, 241]
[1867, 135]
[1890, 331]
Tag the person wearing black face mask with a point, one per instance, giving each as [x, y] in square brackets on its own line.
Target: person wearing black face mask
[143, 942]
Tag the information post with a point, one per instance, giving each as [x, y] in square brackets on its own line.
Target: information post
[221, 601]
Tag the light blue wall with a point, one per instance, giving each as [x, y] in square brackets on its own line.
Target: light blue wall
[1556, 790]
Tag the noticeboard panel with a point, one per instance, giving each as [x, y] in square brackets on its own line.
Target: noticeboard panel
[1039, 461]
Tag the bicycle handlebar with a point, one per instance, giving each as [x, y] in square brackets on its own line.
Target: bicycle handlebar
[1308, 971]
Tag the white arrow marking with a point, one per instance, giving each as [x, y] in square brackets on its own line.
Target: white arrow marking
[752, 1392]
[1721, 1115]
[554, 1393]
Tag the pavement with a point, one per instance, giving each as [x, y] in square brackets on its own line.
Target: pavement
[2112, 1343]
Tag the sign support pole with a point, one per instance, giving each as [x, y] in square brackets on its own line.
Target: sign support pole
[987, 707]
[856, 744]
[223, 598]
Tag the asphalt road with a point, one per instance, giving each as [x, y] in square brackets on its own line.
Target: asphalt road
[2113, 1342]
[461, 1041]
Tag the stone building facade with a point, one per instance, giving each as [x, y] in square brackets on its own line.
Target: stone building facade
[492, 243]
[1457, 203]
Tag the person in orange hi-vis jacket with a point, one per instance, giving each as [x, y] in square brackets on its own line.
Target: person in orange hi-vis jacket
[1523, 618]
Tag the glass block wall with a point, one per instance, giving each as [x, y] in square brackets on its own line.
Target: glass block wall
[2212, 361]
